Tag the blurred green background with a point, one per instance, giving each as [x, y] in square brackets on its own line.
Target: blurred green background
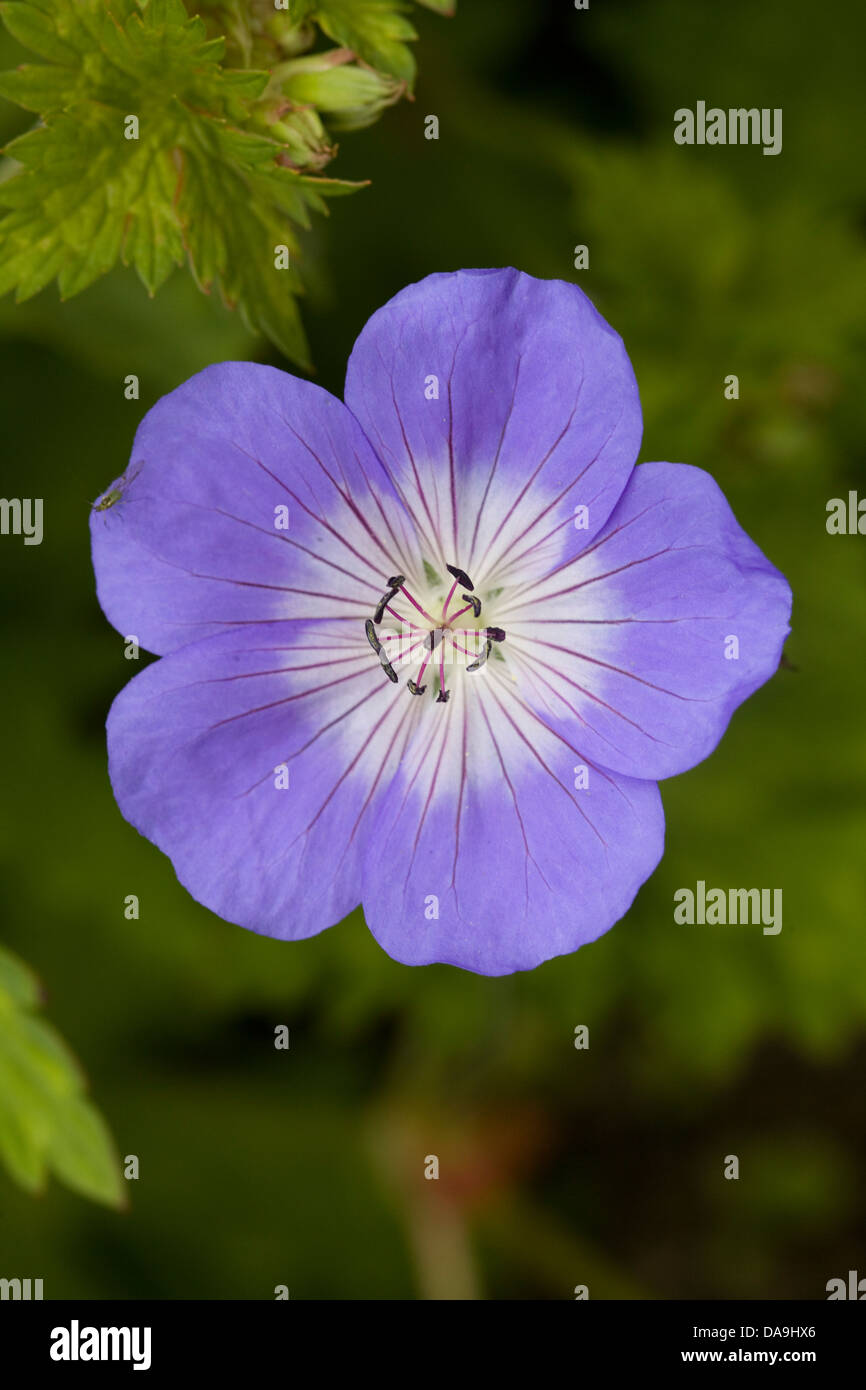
[558, 1167]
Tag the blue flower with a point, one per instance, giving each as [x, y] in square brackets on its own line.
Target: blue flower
[430, 650]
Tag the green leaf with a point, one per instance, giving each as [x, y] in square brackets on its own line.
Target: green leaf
[38, 87]
[81, 1153]
[84, 195]
[192, 183]
[35, 28]
[154, 238]
[47, 1125]
[150, 151]
[237, 206]
[17, 981]
[375, 30]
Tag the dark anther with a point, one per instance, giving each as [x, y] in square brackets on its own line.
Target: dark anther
[475, 601]
[442, 697]
[496, 634]
[382, 605]
[434, 637]
[389, 670]
[416, 689]
[476, 665]
[371, 636]
[394, 583]
[461, 576]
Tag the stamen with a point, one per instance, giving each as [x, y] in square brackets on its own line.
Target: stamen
[476, 665]
[473, 602]
[457, 647]
[401, 637]
[401, 619]
[388, 669]
[371, 636]
[432, 638]
[418, 686]
[448, 601]
[377, 648]
[415, 604]
[382, 605]
[442, 697]
[461, 576]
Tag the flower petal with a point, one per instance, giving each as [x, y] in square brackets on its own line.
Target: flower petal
[202, 743]
[642, 647]
[496, 846]
[535, 413]
[196, 540]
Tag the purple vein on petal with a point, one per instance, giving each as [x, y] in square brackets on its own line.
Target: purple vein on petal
[248, 584]
[346, 495]
[289, 699]
[378, 689]
[451, 469]
[509, 412]
[459, 815]
[312, 514]
[407, 446]
[531, 668]
[407, 718]
[620, 671]
[590, 694]
[368, 734]
[430, 792]
[596, 767]
[399, 545]
[534, 751]
[565, 491]
[283, 670]
[528, 852]
[522, 590]
[278, 536]
[630, 564]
